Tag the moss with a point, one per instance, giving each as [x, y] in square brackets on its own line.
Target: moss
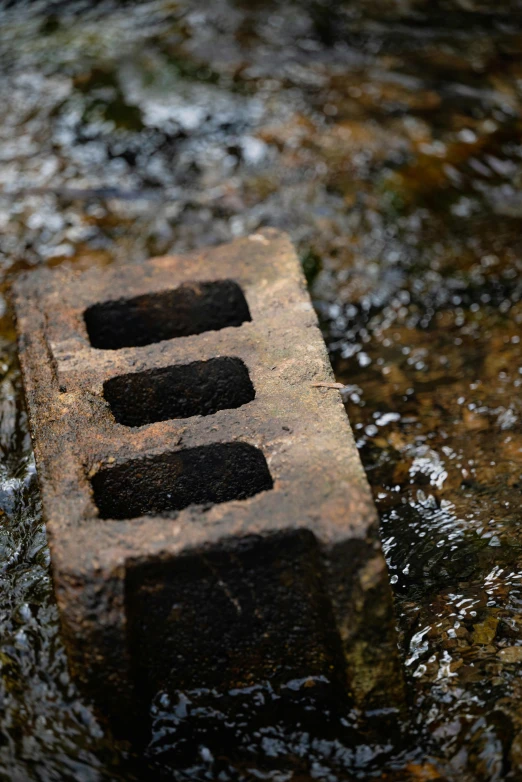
[311, 263]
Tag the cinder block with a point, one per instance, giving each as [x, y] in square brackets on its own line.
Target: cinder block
[209, 519]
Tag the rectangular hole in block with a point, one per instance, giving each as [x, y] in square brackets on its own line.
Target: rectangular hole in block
[207, 474]
[191, 308]
[198, 388]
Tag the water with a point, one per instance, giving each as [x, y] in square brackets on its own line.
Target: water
[387, 142]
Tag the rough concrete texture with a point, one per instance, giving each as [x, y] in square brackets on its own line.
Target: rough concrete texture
[232, 542]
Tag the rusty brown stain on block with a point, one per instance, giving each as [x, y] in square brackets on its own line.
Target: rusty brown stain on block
[209, 519]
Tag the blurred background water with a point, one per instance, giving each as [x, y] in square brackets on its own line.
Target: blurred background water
[385, 137]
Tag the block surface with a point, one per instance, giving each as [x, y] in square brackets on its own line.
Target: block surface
[201, 494]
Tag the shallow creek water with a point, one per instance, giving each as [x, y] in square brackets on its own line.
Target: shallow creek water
[388, 143]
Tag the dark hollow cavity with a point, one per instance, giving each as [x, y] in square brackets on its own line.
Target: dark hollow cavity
[190, 309]
[172, 481]
[199, 388]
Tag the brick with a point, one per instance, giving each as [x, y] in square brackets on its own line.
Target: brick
[209, 519]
